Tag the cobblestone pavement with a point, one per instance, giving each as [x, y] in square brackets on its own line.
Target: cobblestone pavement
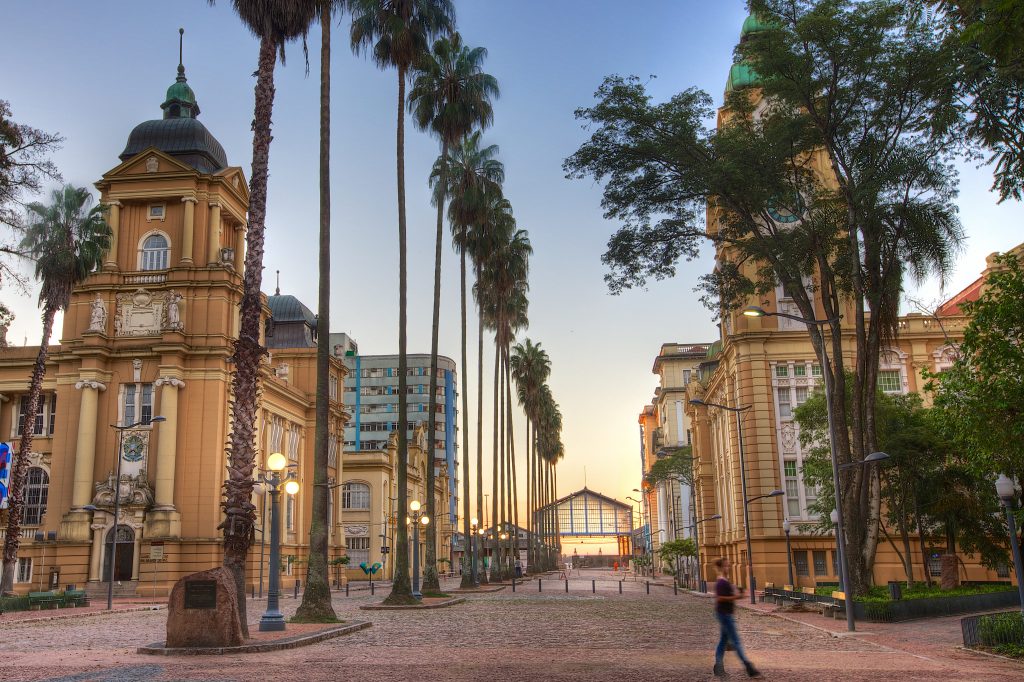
[495, 636]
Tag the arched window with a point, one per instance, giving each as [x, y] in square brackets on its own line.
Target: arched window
[155, 252]
[36, 492]
[355, 496]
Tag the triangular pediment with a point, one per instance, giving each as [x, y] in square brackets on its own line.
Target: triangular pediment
[150, 161]
[234, 178]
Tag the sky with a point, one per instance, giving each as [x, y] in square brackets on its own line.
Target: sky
[99, 69]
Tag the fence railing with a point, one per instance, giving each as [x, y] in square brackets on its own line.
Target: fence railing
[994, 631]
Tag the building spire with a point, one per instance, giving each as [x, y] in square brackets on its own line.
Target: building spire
[277, 291]
[181, 62]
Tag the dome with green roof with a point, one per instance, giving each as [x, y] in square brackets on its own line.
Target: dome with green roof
[752, 25]
[181, 92]
[741, 76]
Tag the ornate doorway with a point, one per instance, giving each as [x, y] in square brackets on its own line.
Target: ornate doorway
[125, 559]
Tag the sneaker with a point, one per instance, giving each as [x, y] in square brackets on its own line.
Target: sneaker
[719, 670]
[752, 671]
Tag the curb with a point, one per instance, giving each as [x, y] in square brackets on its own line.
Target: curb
[414, 607]
[990, 654]
[85, 614]
[480, 590]
[292, 642]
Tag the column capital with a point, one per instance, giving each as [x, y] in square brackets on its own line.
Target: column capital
[113, 202]
[169, 381]
[214, 203]
[189, 199]
[90, 383]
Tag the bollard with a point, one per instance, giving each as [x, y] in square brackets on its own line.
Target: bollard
[371, 588]
[593, 586]
[346, 588]
[567, 585]
[675, 587]
[296, 589]
[620, 587]
[513, 584]
[648, 587]
[539, 588]
[254, 591]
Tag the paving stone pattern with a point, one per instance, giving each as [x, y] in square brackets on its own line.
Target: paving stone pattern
[494, 636]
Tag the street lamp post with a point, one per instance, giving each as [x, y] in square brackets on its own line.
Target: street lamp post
[416, 519]
[1006, 491]
[836, 518]
[789, 552]
[117, 502]
[826, 372]
[474, 524]
[743, 483]
[750, 560]
[272, 619]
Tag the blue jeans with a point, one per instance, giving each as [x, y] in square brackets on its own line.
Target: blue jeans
[727, 631]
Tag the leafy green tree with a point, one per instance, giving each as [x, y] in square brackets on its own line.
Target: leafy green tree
[450, 96]
[67, 239]
[672, 551]
[987, 37]
[847, 138]
[531, 368]
[397, 33]
[677, 466]
[273, 23]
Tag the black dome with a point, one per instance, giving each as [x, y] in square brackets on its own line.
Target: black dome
[294, 325]
[183, 138]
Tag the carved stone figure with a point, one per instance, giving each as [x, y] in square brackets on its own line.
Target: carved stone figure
[98, 319]
[173, 313]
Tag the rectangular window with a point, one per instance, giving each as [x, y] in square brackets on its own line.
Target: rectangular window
[376, 372]
[1003, 569]
[785, 406]
[801, 395]
[43, 423]
[799, 370]
[815, 370]
[819, 562]
[782, 371]
[53, 412]
[686, 377]
[935, 563]
[835, 562]
[137, 404]
[792, 488]
[156, 211]
[889, 381]
[800, 562]
[24, 570]
[289, 513]
[358, 550]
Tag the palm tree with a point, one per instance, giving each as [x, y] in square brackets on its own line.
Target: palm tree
[316, 599]
[450, 97]
[398, 33]
[530, 370]
[67, 240]
[273, 22]
[474, 176]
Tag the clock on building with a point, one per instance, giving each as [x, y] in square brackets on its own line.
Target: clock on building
[784, 214]
[134, 449]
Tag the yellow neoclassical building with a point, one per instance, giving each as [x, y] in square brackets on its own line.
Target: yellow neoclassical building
[369, 496]
[768, 364]
[151, 334]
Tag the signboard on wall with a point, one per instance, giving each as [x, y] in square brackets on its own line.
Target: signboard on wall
[6, 454]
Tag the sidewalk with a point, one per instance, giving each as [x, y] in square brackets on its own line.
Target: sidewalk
[124, 605]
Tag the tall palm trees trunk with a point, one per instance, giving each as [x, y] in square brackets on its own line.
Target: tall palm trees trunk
[503, 480]
[430, 579]
[19, 467]
[401, 590]
[316, 600]
[480, 423]
[467, 569]
[239, 512]
[529, 500]
[495, 506]
[514, 497]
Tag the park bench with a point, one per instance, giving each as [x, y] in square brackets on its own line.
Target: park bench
[837, 604]
[789, 593]
[768, 591]
[76, 598]
[42, 599]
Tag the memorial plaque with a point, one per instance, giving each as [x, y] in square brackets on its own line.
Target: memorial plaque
[201, 594]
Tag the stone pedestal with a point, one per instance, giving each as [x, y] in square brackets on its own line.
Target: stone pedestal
[163, 523]
[950, 571]
[203, 611]
[75, 526]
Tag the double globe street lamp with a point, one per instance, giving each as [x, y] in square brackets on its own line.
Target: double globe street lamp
[415, 519]
[272, 619]
[1007, 492]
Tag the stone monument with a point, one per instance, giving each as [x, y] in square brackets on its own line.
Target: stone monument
[203, 611]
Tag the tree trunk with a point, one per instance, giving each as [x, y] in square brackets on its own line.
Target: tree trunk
[529, 500]
[19, 465]
[495, 518]
[503, 477]
[467, 569]
[401, 589]
[430, 579]
[514, 494]
[316, 600]
[480, 427]
[239, 511]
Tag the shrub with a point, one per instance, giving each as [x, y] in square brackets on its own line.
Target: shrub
[1001, 628]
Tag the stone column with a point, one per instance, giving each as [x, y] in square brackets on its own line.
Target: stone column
[239, 249]
[137, 550]
[213, 248]
[85, 453]
[189, 231]
[114, 220]
[96, 555]
[168, 441]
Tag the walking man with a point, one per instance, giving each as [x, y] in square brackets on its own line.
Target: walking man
[725, 603]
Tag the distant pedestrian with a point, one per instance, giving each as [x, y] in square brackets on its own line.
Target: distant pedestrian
[725, 604]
